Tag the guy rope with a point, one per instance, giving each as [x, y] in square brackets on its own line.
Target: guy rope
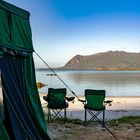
[70, 89]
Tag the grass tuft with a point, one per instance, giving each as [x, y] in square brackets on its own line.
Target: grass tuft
[125, 120]
[115, 122]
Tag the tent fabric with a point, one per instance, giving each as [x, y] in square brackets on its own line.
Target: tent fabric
[21, 98]
[14, 9]
[32, 96]
[15, 32]
[21, 121]
[3, 133]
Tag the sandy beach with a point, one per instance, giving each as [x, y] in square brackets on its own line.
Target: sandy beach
[121, 106]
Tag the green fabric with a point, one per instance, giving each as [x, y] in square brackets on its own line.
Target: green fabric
[13, 9]
[15, 32]
[15, 35]
[95, 99]
[21, 34]
[56, 98]
[3, 132]
[4, 30]
[33, 100]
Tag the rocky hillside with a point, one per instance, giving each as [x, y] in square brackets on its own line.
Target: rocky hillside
[111, 60]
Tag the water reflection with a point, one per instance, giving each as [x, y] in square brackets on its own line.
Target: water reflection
[116, 83]
[106, 78]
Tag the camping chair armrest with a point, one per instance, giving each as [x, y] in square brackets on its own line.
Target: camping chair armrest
[83, 101]
[69, 99]
[108, 102]
[45, 98]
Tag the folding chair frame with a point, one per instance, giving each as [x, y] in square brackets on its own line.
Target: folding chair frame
[57, 113]
[56, 103]
[94, 116]
[93, 111]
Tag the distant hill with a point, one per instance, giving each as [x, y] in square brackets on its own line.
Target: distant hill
[111, 60]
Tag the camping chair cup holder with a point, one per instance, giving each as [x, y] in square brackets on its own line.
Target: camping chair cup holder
[94, 105]
[57, 102]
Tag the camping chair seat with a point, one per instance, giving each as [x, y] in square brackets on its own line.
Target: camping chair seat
[61, 106]
[56, 103]
[94, 106]
[91, 108]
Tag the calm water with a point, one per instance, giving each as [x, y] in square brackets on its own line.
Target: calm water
[116, 83]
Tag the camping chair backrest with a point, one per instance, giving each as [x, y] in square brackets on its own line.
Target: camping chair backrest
[95, 98]
[56, 97]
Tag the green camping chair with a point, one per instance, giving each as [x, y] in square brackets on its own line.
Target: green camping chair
[56, 102]
[94, 105]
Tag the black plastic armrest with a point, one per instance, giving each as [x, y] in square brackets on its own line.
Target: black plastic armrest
[69, 99]
[108, 102]
[83, 101]
[45, 98]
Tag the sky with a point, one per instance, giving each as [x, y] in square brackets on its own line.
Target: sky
[62, 29]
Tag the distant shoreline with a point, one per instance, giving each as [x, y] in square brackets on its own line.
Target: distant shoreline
[97, 69]
[80, 96]
[110, 60]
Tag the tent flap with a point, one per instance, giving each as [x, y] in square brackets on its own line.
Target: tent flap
[15, 100]
[32, 96]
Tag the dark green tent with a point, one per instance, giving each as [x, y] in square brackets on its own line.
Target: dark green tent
[23, 115]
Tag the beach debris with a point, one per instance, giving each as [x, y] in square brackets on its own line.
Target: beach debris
[50, 74]
[40, 85]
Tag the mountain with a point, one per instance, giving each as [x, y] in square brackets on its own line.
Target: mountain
[111, 60]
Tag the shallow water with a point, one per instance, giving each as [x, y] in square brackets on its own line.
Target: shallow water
[116, 83]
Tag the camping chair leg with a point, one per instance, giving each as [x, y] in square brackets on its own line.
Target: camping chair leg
[95, 117]
[57, 114]
[105, 126]
[103, 118]
[65, 115]
[49, 115]
[85, 117]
